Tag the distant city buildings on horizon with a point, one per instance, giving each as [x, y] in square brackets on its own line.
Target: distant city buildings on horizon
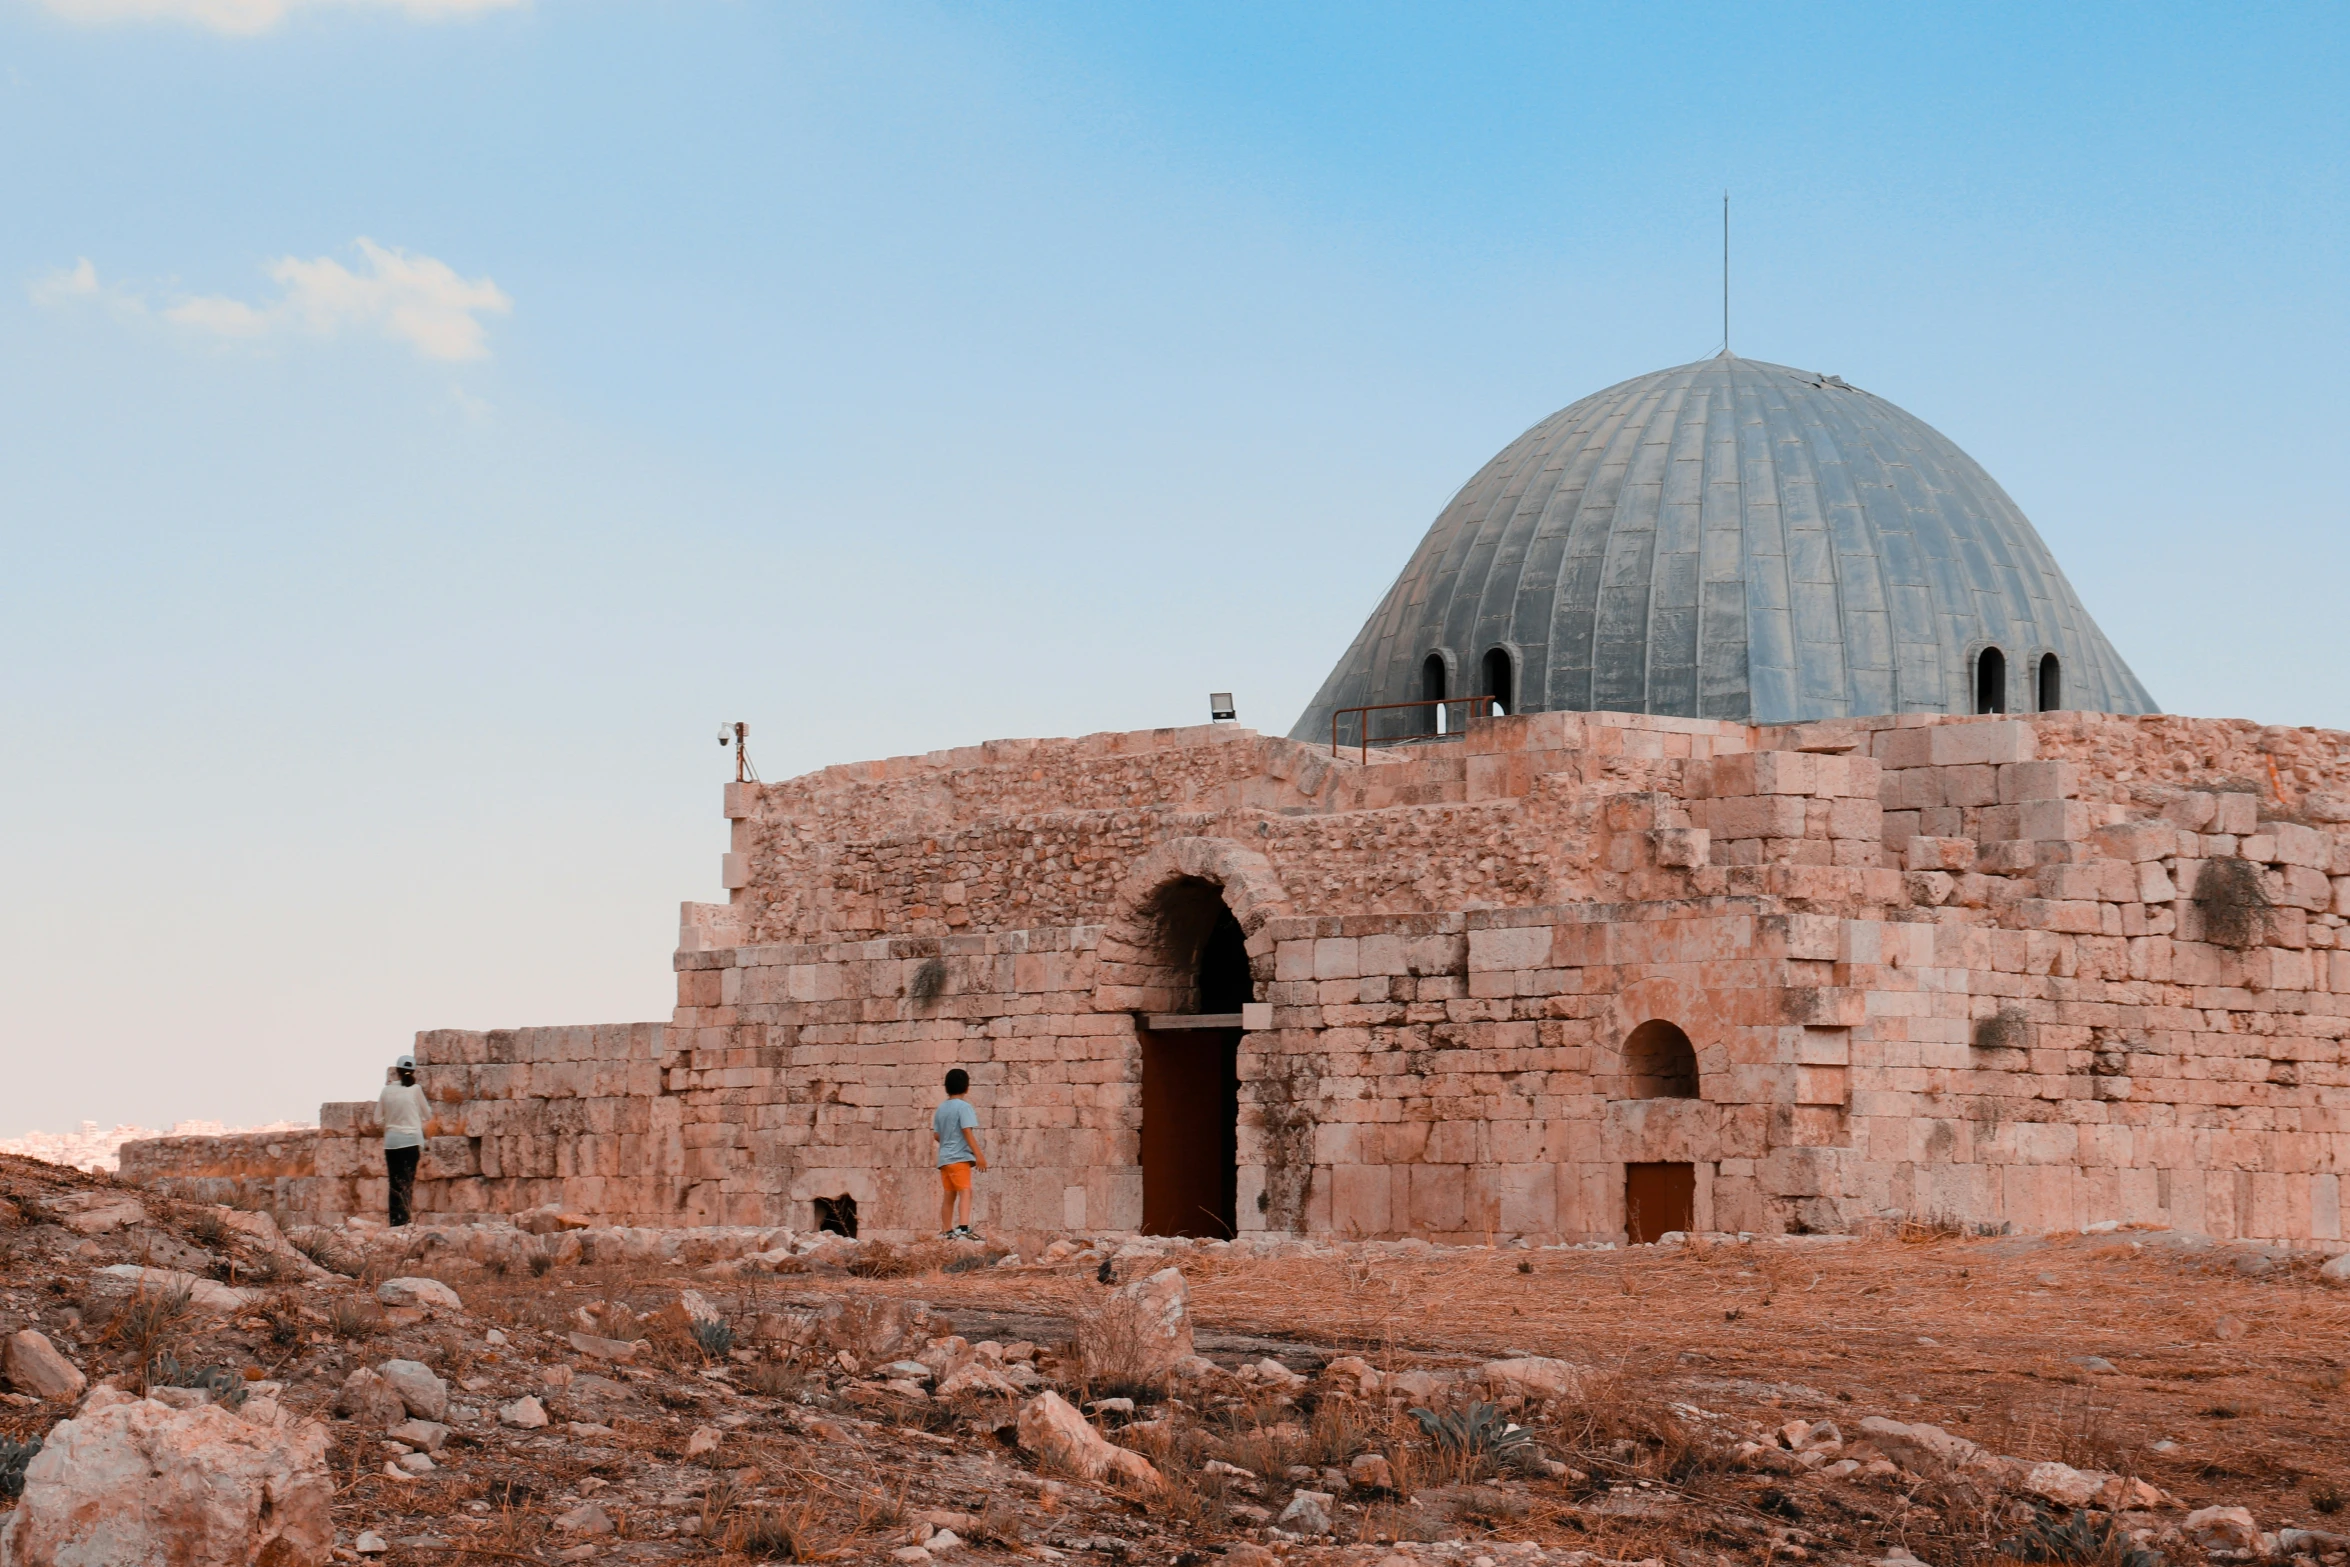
[92, 1149]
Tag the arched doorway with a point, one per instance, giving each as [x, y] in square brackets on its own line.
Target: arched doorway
[1190, 1067]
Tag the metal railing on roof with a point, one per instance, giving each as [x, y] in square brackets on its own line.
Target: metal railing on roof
[1492, 705]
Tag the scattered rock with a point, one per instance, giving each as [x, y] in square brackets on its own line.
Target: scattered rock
[420, 1389]
[370, 1400]
[2336, 1271]
[975, 1378]
[93, 1212]
[1308, 1512]
[2222, 1529]
[704, 1440]
[526, 1414]
[416, 1463]
[130, 1480]
[203, 1294]
[1535, 1376]
[618, 1351]
[31, 1364]
[427, 1294]
[430, 1435]
[1371, 1472]
[2064, 1485]
[2095, 1364]
[1922, 1448]
[2230, 1328]
[1061, 1436]
[370, 1543]
[586, 1518]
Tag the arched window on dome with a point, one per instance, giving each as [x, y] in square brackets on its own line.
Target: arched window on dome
[1432, 682]
[1498, 681]
[2051, 684]
[1991, 681]
[1659, 1062]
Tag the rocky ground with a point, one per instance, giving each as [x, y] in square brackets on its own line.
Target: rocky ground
[207, 1389]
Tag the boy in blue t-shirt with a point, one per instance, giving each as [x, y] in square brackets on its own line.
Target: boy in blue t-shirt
[952, 1125]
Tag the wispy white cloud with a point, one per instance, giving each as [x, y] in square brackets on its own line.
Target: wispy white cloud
[259, 16]
[412, 299]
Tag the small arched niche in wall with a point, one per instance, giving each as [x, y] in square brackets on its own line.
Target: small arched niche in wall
[1659, 1062]
[1991, 681]
[2051, 682]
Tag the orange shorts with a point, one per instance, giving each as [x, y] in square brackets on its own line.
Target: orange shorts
[954, 1177]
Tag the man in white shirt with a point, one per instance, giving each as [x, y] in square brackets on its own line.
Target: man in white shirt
[404, 1112]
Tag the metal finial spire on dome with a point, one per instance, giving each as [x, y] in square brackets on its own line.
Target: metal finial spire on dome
[1733, 539]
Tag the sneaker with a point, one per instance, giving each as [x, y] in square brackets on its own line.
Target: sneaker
[962, 1232]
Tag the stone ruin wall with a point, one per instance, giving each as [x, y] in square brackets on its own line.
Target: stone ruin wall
[1962, 969]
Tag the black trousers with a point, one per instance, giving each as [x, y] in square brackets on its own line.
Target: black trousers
[400, 1165]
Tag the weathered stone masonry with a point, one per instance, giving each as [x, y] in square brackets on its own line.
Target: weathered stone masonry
[2039, 971]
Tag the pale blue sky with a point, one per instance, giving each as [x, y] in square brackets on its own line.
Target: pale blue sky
[899, 376]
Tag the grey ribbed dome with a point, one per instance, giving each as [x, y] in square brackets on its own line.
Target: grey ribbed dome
[1731, 539]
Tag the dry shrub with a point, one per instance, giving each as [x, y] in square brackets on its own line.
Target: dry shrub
[354, 1317]
[880, 1260]
[1612, 1426]
[149, 1323]
[999, 1523]
[787, 1534]
[778, 1379]
[1118, 1354]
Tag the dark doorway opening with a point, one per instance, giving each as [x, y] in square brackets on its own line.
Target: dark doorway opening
[1432, 689]
[2051, 684]
[1991, 681]
[837, 1215]
[1224, 983]
[1190, 1131]
[1659, 1199]
[1498, 681]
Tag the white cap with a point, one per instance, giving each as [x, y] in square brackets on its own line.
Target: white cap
[404, 1064]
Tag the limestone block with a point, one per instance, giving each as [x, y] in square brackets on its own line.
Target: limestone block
[1754, 816]
[1939, 854]
[2051, 780]
[1994, 741]
[1513, 948]
[2234, 814]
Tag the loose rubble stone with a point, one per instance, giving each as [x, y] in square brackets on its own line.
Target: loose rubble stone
[1371, 1472]
[705, 1439]
[427, 1434]
[586, 1518]
[1534, 1376]
[203, 1294]
[415, 1292]
[525, 1413]
[92, 1213]
[31, 1364]
[1308, 1512]
[2222, 1529]
[2337, 1270]
[370, 1543]
[420, 1388]
[1920, 1448]
[129, 1480]
[365, 1397]
[2064, 1485]
[1051, 1429]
